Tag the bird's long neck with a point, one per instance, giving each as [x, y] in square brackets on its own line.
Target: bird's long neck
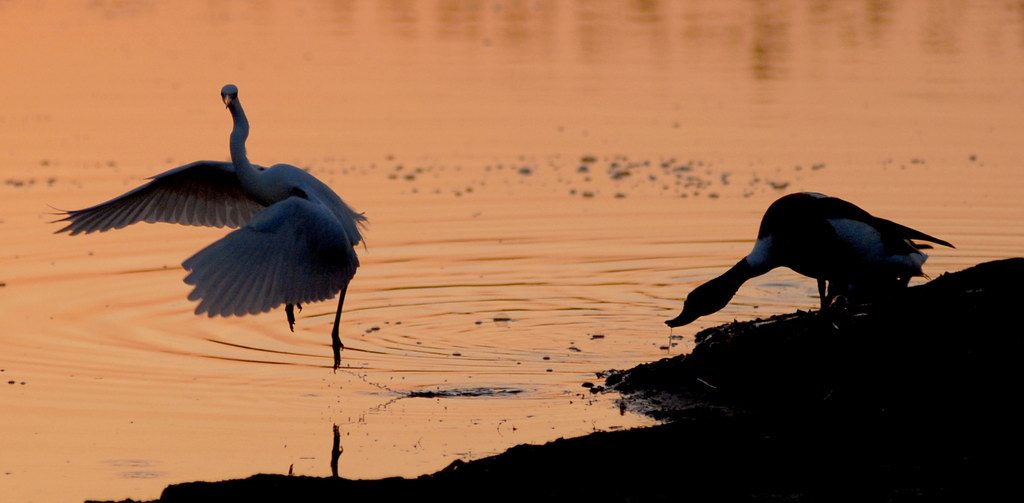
[739, 274]
[239, 133]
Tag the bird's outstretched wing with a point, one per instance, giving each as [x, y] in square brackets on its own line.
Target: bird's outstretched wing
[202, 193]
[293, 252]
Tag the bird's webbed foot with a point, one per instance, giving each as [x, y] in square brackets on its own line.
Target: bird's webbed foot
[289, 310]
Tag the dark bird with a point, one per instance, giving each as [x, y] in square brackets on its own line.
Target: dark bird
[850, 252]
[295, 239]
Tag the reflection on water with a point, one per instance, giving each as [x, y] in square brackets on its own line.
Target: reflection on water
[336, 450]
[545, 182]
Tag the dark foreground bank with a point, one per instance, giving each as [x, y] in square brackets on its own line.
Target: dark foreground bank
[914, 399]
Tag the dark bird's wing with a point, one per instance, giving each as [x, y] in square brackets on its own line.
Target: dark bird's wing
[834, 207]
[892, 228]
[293, 252]
[203, 193]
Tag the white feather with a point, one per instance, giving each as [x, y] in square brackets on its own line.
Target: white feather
[760, 257]
[866, 243]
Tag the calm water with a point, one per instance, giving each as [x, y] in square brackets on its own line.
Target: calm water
[575, 167]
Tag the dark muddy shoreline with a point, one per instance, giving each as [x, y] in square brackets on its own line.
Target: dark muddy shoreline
[912, 399]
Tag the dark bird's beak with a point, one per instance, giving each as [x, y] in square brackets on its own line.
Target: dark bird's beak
[684, 318]
[227, 100]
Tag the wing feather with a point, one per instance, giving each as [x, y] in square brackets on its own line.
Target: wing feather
[203, 193]
[833, 207]
[294, 251]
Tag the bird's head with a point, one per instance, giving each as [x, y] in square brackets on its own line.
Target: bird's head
[229, 93]
[704, 300]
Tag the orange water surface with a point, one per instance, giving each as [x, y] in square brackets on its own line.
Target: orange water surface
[572, 167]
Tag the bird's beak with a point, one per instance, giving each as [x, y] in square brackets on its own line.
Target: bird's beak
[682, 319]
[227, 100]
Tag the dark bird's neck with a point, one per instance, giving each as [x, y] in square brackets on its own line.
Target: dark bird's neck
[239, 133]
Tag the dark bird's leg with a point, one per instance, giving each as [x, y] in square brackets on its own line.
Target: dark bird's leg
[822, 293]
[290, 312]
[335, 340]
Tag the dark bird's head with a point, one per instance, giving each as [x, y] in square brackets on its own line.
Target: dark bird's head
[229, 93]
[712, 296]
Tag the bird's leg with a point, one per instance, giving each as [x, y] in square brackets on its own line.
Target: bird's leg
[336, 344]
[822, 293]
[289, 311]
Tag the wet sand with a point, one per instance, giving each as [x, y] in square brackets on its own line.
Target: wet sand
[911, 399]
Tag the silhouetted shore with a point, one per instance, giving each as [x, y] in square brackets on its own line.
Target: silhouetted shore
[913, 399]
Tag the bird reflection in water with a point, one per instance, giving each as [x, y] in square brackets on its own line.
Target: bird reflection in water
[336, 450]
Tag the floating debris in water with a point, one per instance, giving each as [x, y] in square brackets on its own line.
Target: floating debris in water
[502, 317]
[596, 336]
[464, 393]
[20, 183]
